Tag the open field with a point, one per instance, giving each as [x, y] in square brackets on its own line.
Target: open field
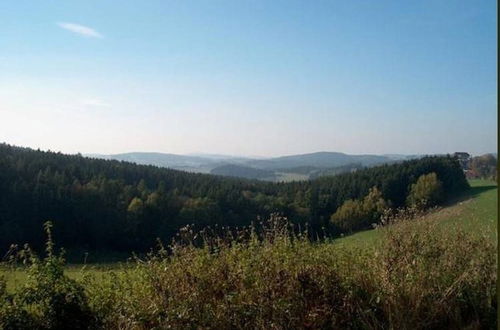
[475, 212]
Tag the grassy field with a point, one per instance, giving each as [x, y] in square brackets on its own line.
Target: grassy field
[480, 212]
[475, 212]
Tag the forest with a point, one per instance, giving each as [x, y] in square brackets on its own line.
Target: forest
[109, 205]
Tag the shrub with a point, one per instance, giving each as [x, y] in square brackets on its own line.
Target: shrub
[359, 214]
[48, 299]
[426, 192]
[350, 215]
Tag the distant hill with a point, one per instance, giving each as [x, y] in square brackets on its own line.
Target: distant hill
[244, 172]
[402, 157]
[218, 157]
[180, 162]
[285, 168]
[318, 159]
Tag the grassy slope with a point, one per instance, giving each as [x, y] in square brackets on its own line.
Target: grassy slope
[476, 211]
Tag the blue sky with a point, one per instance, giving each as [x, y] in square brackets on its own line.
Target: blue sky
[249, 77]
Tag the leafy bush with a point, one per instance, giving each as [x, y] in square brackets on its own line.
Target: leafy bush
[48, 299]
[426, 192]
[359, 214]
[349, 215]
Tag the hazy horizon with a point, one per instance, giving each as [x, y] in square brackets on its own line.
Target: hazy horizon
[249, 78]
[210, 154]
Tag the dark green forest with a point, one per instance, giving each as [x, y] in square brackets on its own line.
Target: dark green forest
[110, 205]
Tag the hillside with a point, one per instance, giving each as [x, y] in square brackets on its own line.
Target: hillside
[181, 162]
[319, 160]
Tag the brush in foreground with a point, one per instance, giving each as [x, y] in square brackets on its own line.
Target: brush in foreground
[420, 276]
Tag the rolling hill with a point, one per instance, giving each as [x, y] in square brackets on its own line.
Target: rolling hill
[285, 168]
[319, 160]
[174, 161]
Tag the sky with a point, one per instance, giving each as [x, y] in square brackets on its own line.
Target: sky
[249, 77]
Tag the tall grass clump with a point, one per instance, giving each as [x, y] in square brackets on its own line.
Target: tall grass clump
[430, 276]
[272, 279]
[419, 277]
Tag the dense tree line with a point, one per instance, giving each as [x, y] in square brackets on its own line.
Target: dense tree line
[110, 205]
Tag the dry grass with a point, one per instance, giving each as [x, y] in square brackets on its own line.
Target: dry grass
[419, 277]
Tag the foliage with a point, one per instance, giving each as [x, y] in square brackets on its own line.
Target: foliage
[349, 214]
[48, 299]
[360, 214]
[418, 278]
[426, 192]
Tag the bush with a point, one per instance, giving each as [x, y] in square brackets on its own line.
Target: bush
[350, 215]
[426, 192]
[48, 299]
[359, 214]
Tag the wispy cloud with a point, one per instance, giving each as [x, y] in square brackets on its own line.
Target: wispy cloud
[80, 29]
[95, 103]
